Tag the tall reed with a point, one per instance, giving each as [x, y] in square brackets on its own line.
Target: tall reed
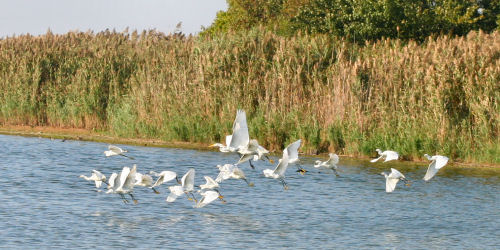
[438, 97]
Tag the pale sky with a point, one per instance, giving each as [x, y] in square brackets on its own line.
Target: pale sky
[37, 16]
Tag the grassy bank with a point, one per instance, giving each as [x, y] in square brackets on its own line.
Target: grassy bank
[439, 97]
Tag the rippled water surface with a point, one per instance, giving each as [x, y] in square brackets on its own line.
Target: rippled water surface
[44, 203]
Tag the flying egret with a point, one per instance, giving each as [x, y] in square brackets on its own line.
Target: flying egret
[392, 179]
[208, 197]
[211, 184]
[126, 183]
[387, 155]
[252, 151]
[97, 177]
[163, 177]
[279, 171]
[437, 162]
[115, 181]
[114, 150]
[144, 180]
[223, 148]
[240, 137]
[329, 164]
[291, 152]
[230, 171]
[186, 187]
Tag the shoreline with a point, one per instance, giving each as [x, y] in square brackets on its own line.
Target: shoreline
[87, 135]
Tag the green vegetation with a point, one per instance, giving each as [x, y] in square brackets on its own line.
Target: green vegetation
[361, 20]
[441, 96]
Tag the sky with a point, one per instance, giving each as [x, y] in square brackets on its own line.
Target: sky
[60, 16]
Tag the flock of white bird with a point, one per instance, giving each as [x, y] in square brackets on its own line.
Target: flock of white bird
[248, 149]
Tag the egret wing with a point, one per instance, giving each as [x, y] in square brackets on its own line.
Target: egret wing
[187, 180]
[391, 155]
[281, 168]
[441, 161]
[390, 184]
[175, 191]
[208, 197]
[240, 137]
[334, 159]
[431, 171]
[115, 149]
[292, 151]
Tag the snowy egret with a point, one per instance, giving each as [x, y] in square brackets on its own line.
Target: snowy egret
[387, 155]
[292, 154]
[392, 179]
[240, 138]
[186, 187]
[211, 184]
[330, 164]
[279, 171]
[127, 181]
[163, 177]
[97, 177]
[114, 150]
[252, 151]
[230, 171]
[144, 180]
[208, 197]
[437, 162]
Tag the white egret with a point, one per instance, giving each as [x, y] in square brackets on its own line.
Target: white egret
[97, 177]
[330, 164]
[112, 183]
[240, 138]
[186, 187]
[279, 171]
[437, 162]
[387, 155]
[223, 148]
[392, 179]
[145, 180]
[126, 183]
[163, 177]
[114, 150]
[252, 151]
[208, 197]
[211, 184]
[291, 152]
[230, 171]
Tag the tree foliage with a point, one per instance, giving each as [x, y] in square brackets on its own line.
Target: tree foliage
[361, 20]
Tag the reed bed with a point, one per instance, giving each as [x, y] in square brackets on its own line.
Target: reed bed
[441, 96]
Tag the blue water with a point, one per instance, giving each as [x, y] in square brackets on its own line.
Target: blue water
[44, 204]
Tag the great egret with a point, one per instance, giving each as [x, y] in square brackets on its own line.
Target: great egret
[163, 177]
[186, 187]
[279, 171]
[114, 150]
[437, 162]
[387, 155]
[97, 177]
[208, 197]
[392, 179]
[230, 171]
[330, 164]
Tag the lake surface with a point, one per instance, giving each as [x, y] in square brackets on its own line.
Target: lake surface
[43, 203]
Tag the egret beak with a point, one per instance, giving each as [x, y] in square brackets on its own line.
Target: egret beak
[212, 146]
